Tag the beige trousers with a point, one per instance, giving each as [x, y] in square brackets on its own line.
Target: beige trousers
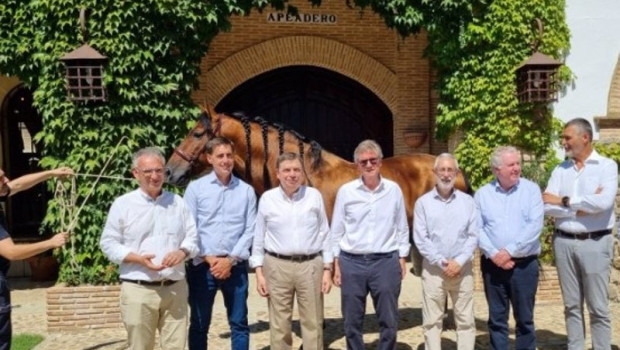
[285, 280]
[145, 309]
[435, 288]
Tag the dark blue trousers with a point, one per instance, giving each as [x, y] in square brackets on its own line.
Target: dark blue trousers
[379, 275]
[202, 289]
[5, 314]
[502, 288]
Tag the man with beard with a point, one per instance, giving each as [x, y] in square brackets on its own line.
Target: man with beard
[446, 234]
[581, 197]
[292, 256]
[224, 208]
[511, 211]
[371, 243]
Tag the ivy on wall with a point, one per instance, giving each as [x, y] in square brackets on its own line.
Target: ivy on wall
[155, 47]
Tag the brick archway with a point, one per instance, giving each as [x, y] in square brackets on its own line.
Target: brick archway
[609, 125]
[299, 50]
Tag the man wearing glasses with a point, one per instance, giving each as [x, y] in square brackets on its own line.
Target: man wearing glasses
[371, 242]
[446, 233]
[224, 208]
[11, 251]
[150, 233]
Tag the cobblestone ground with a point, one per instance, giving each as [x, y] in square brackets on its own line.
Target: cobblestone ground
[29, 316]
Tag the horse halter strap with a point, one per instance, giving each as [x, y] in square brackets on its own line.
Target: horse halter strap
[191, 159]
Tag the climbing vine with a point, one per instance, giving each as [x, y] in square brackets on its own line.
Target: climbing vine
[155, 47]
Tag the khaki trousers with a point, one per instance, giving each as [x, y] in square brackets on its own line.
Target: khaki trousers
[285, 280]
[145, 309]
[435, 288]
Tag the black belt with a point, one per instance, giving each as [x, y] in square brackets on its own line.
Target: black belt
[293, 257]
[369, 256]
[583, 236]
[525, 258]
[150, 283]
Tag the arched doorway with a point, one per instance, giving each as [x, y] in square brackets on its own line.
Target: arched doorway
[20, 122]
[321, 104]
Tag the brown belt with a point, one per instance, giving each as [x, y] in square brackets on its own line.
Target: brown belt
[293, 257]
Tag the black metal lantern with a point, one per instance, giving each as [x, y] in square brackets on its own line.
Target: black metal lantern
[537, 77]
[84, 74]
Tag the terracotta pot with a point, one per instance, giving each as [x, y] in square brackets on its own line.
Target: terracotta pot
[415, 139]
[43, 268]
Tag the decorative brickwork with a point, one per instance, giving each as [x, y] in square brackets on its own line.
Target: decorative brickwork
[358, 45]
[84, 307]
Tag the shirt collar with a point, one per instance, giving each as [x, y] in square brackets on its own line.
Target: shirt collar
[361, 186]
[149, 198]
[438, 196]
[299, 194]
[593, 158]
[499, 188]
[214, 180]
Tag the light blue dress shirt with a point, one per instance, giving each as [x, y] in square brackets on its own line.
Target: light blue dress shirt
[510, 220]
[225, 215]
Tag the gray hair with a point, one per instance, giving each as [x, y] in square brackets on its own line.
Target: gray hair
[498, 153]
[446, 156]
[365, 146]
[286, 156]
[147, 151]
[582, 126]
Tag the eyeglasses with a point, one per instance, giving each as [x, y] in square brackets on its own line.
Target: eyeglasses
[372, 161]
[150, 172]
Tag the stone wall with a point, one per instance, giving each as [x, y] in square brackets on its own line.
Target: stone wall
[83, 307]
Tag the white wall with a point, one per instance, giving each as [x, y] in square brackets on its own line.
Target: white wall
[595, 46]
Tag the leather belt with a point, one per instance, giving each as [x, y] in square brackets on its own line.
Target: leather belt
[369, 256]
[524, 258]
[150, 283]
[293, 257]
[583, 236]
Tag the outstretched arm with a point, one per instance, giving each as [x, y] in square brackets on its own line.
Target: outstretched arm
[25, 182]
[12, 251]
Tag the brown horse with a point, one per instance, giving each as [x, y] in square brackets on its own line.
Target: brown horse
[258, 144]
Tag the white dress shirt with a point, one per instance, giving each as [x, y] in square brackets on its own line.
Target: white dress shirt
[446, 229]
[581, 186]
[366, 221]
[291, 226]
[139, 224]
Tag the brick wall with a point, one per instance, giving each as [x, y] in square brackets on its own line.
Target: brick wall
[358, 45]
[84, 307]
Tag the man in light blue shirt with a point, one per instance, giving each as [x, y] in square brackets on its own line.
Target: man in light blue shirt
[581, 196]
[446, 230]
[511, 211]
[225, 211]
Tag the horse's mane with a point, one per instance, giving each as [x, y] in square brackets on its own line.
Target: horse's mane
[316, 151]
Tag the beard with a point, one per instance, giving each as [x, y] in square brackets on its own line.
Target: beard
[445, 186]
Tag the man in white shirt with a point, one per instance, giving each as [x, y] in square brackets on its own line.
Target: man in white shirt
[291, 254]
[150, 233]
[581, 197]
[371, 243]
[446, 233]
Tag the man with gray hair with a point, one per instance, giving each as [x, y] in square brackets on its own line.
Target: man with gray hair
[581, 197]
[446, 233]
[150, 233]
[371, 243]
[511, 212]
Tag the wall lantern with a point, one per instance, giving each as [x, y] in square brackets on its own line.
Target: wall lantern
[84, 69]
[537, 77]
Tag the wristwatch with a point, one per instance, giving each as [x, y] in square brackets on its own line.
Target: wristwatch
[328, 267]
[232, 260]
[185, 251]
[566, 201]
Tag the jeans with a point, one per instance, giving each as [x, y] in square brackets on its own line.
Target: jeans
[202, 289]
[516, 286]
[5, 314]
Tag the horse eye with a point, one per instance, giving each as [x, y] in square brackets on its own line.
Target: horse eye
[198, 134]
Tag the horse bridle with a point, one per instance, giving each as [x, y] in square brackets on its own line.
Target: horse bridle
[210, 133]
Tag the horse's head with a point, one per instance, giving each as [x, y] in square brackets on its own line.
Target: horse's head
[189, 158]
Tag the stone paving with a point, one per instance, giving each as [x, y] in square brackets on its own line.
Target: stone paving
[29, 316]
